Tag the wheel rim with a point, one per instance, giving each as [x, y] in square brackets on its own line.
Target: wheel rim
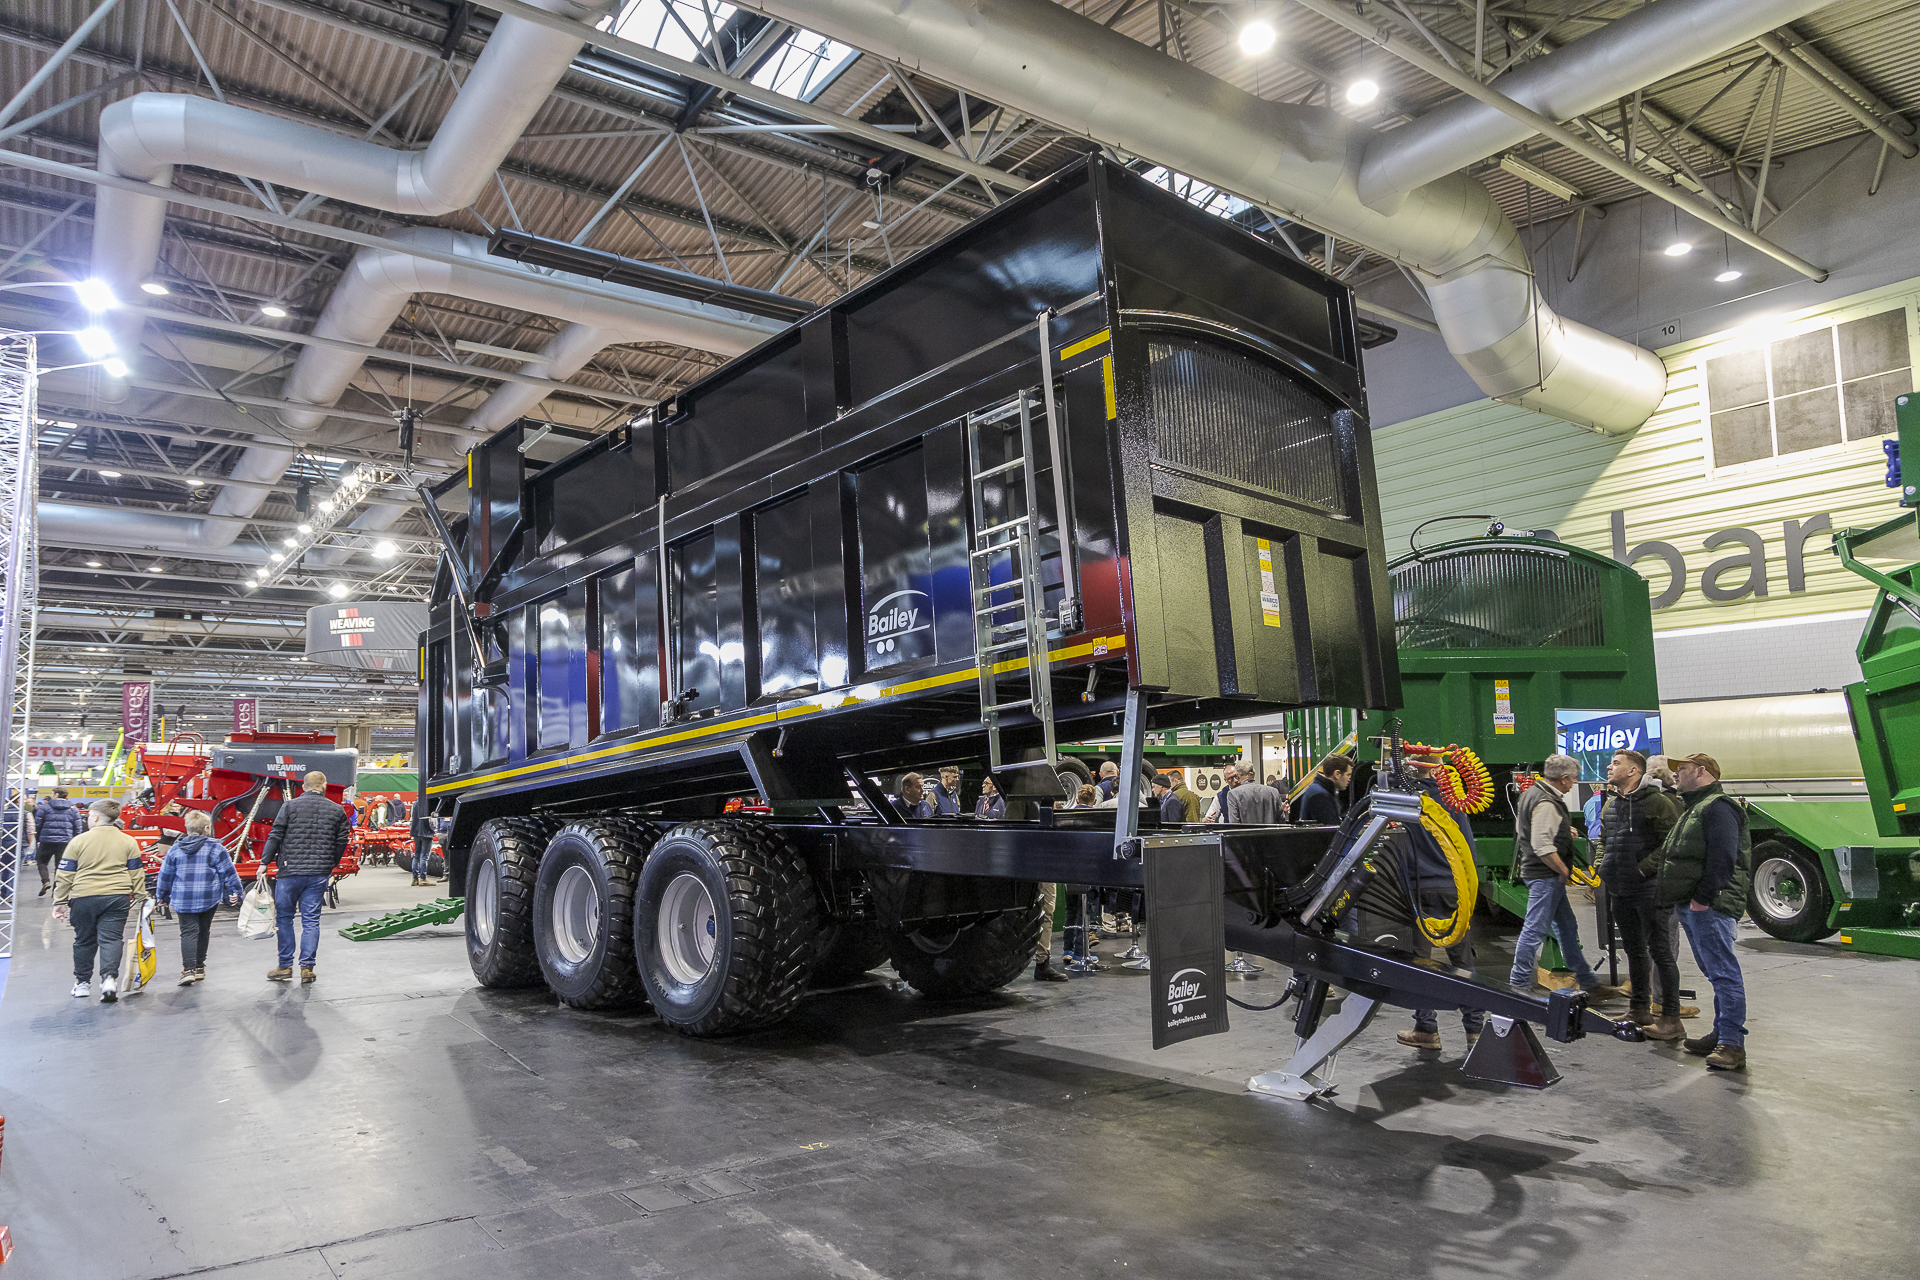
[688, 931]
[486, 901]
[576, 915]
[1779, 889]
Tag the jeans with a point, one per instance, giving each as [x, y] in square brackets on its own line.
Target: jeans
[99, 925]
[196, 927]
[422, 859]
[1645, 937]
[305, 893]
[1549, 910]
[1711, 936]
[1460, 956]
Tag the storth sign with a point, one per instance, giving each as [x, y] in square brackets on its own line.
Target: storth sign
[1592, 737]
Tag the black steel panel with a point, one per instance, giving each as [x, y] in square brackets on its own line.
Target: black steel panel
[697, 612]
[992, 277]
[896, 564]
[784, 593]
[738, 413]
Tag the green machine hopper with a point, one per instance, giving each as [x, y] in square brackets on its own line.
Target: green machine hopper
[1496, 634]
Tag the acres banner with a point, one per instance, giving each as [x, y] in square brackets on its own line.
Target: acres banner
[246, 715]
[136, 709]
[1591, 737]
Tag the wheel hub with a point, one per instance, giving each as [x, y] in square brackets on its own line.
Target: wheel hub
[485, 907]
[1778, 889]
[688, 931]
[576, 914]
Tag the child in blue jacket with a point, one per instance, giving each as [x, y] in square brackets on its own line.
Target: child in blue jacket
[197, 874]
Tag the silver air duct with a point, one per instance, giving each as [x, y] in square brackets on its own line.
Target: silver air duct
[1038, 57]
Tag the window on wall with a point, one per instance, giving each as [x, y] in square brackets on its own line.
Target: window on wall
[1823, 387]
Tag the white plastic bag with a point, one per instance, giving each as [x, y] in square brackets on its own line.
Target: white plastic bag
[256, 911]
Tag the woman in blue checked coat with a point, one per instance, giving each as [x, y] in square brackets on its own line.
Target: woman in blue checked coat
[197, 874]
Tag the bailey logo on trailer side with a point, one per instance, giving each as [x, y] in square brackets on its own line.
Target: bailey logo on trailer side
[895, 616]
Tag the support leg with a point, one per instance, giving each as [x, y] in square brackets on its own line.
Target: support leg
[1303, 1076]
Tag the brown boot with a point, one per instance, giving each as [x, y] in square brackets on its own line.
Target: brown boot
[1665, 1028]
[1602, 992]
[282, 974]
[306, 976]
[1640, 1015]
[1419, 1039]
[1727, 1057]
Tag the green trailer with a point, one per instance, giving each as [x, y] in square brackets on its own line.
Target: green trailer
[1496, 634]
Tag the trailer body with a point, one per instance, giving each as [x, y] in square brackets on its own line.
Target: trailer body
[1098, 461]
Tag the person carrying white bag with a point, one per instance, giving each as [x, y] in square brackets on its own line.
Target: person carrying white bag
[256, 909]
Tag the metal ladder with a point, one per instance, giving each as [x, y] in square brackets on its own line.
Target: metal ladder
[997, 641]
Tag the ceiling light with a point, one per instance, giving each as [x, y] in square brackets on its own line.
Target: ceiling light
[338, 590]
[1361, 92]
[273, 309]
[155, 288]
[871, 225]
[291, 542]
[275, 556]
[1540, 178]
[115, 367]
[385, 550]
[1730, 274]
[96, 342]
[326, 504]
[96, 295]
[304, 527]
[110, 475]
[1678, 249]
[93, 564]
[154, 568]
[1256, 38]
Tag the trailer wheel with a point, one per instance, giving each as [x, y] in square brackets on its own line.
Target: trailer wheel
[726, 927]
[1789, 897]
[505, 855]
[848, 949]
[1074, 774]
[583, 912]
[970, 961]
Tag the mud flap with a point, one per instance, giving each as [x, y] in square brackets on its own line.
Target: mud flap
[1509, 1052]
[1186, 936]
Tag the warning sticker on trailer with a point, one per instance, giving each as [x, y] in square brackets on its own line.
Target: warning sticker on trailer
[1269, 597]
[1502, 707]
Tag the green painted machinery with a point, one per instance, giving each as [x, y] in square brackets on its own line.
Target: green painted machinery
[1495, 634]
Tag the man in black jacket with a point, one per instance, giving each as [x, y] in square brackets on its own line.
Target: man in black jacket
[308, 840]
[1703, 872]
[1320, 802]
[1634, 822]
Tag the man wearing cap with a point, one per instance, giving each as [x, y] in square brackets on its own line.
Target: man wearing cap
[1543, 852]
[1703, 871]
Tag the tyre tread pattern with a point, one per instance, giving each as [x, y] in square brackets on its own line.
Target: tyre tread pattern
[624, 843]
[521, 842]
[776, 915]
[985, 957]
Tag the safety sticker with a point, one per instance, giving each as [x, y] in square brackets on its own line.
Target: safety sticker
[1502, 707]
[1269, 597]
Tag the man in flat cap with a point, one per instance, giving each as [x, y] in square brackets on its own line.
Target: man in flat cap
[1702, 871]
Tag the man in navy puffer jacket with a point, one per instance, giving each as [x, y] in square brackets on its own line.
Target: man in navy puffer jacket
[57, 820]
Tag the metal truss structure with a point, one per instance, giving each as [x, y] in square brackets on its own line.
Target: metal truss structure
[19, 598]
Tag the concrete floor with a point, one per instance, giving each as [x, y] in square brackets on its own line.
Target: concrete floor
[395, 1121]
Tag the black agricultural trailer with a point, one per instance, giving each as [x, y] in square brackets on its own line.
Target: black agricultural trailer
[1096, 464]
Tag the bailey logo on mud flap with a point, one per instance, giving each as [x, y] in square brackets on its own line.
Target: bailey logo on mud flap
[1186, 937]
[892, 618]
[1187, 987]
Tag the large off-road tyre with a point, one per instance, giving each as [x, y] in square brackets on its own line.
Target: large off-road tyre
[1789, 897]
[978, 958]
[1073, 774]
[583, 912]
[500, 873]
[849, 948]
[726, 927]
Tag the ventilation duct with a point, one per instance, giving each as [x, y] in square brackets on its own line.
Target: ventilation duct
[1039, 57]
[144, 136]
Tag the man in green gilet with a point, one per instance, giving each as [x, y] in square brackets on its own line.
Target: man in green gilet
[1703, 871]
